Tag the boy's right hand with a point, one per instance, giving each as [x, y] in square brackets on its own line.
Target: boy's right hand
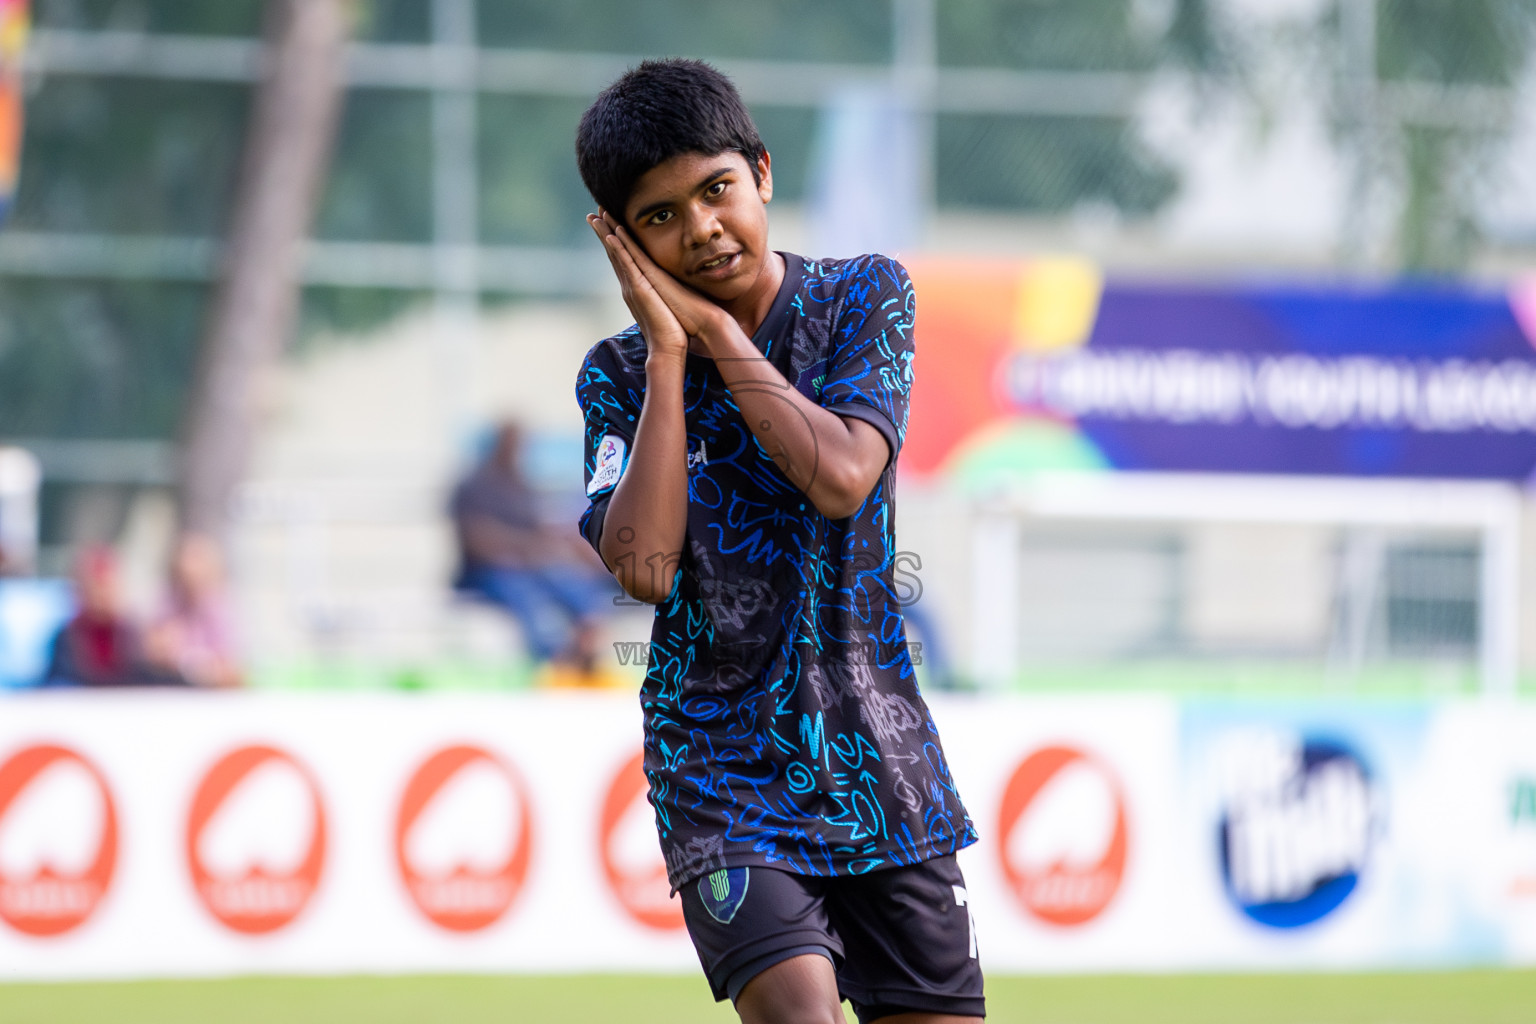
[664, 336]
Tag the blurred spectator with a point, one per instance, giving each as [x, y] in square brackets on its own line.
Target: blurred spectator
[100, 645]
[194, 637]
[547, 579]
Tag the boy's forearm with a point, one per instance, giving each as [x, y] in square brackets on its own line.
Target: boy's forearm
[647, 516]
[833, 462]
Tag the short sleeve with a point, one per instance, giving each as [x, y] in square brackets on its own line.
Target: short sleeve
[869, 372]
[610, 409]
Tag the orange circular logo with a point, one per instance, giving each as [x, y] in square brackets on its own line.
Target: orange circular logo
[58, 840]
[256, 839]
[463, 838]
[632, 861]
[1062, 835]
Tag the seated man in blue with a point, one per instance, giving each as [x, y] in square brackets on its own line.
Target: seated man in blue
[507, 555]
[741, 444]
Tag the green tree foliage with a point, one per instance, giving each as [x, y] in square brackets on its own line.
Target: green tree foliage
[1079, 35]
[1444, 170]
[1469, 42]
[129, 156]
[159, 158]
[95, 359]
[393, 21]
[103, 155]
[1052, 164]
[221, 18]
[99, 358]
[380, 182]
[847, 31]
[529, 192]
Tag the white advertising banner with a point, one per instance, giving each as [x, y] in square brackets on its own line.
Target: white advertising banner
[164, 834]
[1075, 800]
[1479, 846]
[155, 834]
[1300, 832]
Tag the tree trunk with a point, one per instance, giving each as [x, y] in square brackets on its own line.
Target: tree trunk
[288, 146]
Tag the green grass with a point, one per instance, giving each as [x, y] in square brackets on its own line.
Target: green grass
[1468, 997]
[1216, 677]
[342, 676]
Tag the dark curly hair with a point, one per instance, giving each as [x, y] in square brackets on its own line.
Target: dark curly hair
[652, 113]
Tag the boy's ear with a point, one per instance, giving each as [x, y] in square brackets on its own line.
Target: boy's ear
[765, 177]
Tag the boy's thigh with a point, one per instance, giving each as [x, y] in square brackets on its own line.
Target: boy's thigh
[745, 920]
[908, 943]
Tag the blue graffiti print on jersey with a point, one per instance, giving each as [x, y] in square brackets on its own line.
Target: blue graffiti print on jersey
[783, 725]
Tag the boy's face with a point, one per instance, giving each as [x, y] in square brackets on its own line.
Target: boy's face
[704, 220]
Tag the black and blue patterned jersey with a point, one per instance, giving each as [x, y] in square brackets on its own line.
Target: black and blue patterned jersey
[783, 723]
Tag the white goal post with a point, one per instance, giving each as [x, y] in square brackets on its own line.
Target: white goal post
[1490, 509]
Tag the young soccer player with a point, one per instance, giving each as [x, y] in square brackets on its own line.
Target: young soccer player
[741, 444]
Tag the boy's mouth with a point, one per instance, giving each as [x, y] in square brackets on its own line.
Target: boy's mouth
[718, 266]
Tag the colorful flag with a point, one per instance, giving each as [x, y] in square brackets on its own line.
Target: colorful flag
[13, 33]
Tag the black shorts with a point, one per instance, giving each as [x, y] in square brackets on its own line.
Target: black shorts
[900, 940]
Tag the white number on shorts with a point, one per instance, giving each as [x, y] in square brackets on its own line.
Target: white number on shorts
[962, 899]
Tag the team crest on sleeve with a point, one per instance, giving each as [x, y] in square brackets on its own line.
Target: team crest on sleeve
[610, 463]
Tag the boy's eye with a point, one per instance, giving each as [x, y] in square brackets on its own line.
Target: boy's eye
[716, 190]
[661, 216]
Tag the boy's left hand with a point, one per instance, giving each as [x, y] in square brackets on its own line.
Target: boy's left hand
[698, 316]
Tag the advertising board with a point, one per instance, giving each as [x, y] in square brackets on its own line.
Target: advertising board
[1044, 364]
[191, 834]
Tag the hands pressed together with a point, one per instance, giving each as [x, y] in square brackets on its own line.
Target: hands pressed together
[670, 314]
[833, 461]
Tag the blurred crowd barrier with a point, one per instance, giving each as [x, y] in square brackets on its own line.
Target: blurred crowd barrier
[205, 834]
[1106, 483]
[1243, 179]
[1236, 488]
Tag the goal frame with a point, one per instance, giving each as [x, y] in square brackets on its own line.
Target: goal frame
[1491, 509]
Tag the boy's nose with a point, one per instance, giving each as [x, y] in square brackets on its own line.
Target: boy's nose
[703, 227]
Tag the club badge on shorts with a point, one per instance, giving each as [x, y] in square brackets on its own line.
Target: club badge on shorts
[610, 463]
[722, 892]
